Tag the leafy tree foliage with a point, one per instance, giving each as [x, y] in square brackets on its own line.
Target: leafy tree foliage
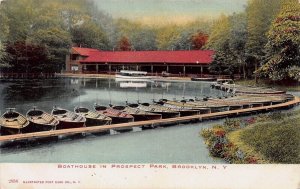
[283, 52]
[51, 25]
[199, 40]
[89, 34]
[220, 34]
[260, 14]
[3, 57]
[228, 38]
[56, 42]
[219, 41]
[27, 57]
[238, 37]
[124, 44]
[167, 37]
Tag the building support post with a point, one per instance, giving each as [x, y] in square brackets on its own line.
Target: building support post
[137, 67]
[151, 69]
[201, 70]
[167, 68]
[97, 68]
[84, 68]
[109, 69]
[183, 70]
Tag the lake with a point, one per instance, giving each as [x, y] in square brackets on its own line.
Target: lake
[177, 144]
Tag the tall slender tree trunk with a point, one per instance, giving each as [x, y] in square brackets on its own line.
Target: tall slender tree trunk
[244, 70]
[255, 75]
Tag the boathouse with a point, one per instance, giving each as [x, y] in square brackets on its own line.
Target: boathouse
[87, 60]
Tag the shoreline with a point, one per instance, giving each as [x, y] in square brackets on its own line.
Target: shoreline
[107, 76]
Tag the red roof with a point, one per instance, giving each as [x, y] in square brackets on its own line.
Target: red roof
[84, 51]
[186, 57]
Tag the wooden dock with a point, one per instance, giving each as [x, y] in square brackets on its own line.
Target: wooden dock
[170, 121]
[233, 88]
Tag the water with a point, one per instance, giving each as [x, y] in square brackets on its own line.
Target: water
[177, 144]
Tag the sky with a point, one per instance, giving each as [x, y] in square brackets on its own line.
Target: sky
[169, 10]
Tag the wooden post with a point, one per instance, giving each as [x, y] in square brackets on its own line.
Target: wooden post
[201, 70]
[151, 69]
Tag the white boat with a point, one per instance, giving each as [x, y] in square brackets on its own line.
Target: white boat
[130, 84]
[128, 75]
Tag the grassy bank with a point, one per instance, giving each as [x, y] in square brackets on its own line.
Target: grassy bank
[273, 138]
[269, 84]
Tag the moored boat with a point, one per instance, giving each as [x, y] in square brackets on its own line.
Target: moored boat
[138, 114]
[12, 122]
[184, 110]
[200, 105]
[67, 119]
[41, 121]
[207, 79]
[131, 84]
[117, 116]
[128, 75]
[93, 118]
[157, 109]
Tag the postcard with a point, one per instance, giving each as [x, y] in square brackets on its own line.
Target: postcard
[149, 94]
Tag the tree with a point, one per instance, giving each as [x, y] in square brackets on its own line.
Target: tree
[89, 34]
[124, 44]
[184, 42]
[260, 14]
[143, 39]
[237, 42]
[199, 40]
[219, 41]
[167, 37]
[4, 28]
[283, 51]
[220, 34]
[57, 43]
[4, 58]
[26, 57]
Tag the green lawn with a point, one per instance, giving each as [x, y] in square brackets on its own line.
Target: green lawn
[276, 139]
[266, 138]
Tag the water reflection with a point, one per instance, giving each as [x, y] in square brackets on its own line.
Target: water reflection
[71, 92]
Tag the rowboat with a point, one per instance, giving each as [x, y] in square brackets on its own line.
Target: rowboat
[157, 109]
[67, 119]
[205, 106]
[41, 121]
[93, 118]
[12, 122]
[183, 110]
[117, 116]
[138, 114]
